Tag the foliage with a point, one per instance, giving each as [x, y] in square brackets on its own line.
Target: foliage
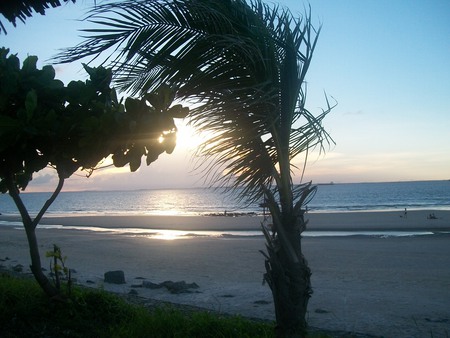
[152, 130]
[43, 122]
[58, 268]
[26, 312]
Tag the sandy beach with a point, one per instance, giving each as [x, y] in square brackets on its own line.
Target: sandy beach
[395, 286]
[343, 221]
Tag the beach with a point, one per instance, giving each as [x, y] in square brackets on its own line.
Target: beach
[384, 285]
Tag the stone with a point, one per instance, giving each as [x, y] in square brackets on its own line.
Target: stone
[149, 285]
[115, 277]
[18, 268]
[179, 287]
[321, 311]
[173, 287]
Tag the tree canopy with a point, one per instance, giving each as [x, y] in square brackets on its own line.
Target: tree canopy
[43, 122]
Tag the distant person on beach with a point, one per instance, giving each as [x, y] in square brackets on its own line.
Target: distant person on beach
[405, 214]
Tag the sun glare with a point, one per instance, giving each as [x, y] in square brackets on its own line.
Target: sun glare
[170, 235]
[188, 138]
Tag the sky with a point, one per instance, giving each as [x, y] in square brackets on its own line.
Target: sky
[386, 64]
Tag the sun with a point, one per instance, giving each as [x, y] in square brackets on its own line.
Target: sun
[188, 138]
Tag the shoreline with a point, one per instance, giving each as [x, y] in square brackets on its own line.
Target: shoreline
[416, 220]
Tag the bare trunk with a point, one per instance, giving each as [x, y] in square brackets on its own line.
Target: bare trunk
[30, 229]
[36, 267]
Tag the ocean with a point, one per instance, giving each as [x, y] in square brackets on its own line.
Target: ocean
[346, 197]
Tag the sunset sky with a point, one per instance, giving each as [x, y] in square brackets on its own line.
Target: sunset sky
[386, 63]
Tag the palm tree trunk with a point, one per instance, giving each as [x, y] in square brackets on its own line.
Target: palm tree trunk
[290, 282]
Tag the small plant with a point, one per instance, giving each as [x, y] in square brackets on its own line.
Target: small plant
[58, 269]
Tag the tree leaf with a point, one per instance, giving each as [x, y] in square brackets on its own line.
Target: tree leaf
[7, 123]
[135, 163]
[119, 159]
[30, 104]
[29, 64]
[178, 111]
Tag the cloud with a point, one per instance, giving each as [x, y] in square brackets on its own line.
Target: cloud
[377, 167]
[358, 112]
[43, 179]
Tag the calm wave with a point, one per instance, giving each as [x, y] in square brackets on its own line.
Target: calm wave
[383, 196]
[333, 197]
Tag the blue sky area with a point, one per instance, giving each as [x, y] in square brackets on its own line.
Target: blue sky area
[386, 63]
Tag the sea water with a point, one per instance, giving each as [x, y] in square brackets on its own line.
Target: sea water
[202, 201]
[346, 197]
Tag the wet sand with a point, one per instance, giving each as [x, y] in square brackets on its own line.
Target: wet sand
[390, 220]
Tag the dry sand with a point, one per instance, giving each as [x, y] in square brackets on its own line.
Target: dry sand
[392, 287]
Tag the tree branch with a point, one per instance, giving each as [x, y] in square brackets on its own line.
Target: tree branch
[14, 193]
[48, 202]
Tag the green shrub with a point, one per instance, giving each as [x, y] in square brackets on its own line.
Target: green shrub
[25, 311]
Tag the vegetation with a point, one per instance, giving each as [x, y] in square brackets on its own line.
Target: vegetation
[58, 269]
[26, 312]
[44, 123]
[244, 65]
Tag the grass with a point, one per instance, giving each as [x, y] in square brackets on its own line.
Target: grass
[26, 312]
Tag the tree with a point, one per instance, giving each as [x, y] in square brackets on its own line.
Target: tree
[44, 123]
[245, 67]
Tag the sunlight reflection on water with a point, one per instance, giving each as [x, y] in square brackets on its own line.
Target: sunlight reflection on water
[171, 235]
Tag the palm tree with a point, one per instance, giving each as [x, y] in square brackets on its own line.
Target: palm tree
[244, 65]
